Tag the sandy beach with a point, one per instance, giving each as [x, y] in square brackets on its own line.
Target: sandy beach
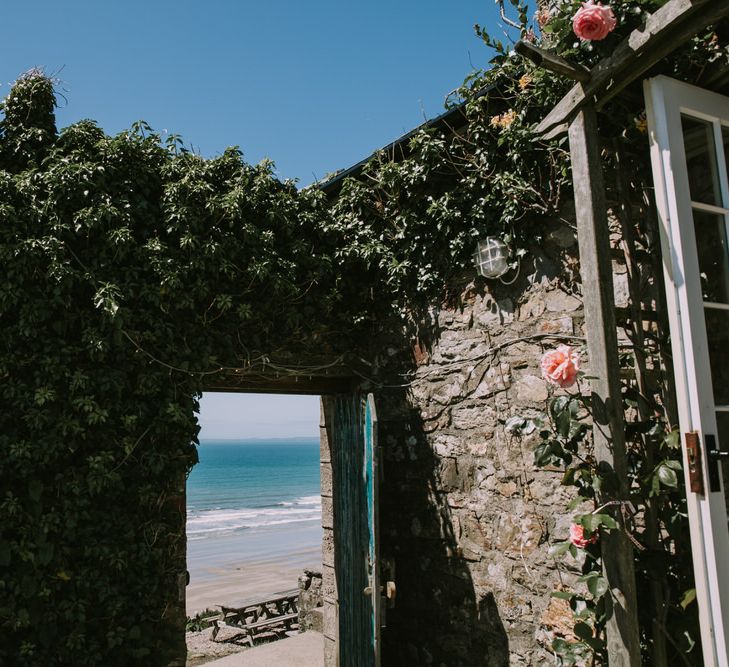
[231, 568]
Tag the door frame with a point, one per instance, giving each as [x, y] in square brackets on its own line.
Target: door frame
[666, 101]
[327, 388]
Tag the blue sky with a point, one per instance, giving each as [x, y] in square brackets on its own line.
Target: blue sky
[316, 86]
[231, 416]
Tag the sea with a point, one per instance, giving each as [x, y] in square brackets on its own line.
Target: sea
[244, 485]
[252, 503]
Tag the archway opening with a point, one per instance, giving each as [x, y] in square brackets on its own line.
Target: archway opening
[254, 521]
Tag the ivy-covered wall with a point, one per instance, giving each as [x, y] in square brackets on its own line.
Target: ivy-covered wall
[137, 272]
[133, 271]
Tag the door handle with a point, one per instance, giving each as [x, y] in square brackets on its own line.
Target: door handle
[390, 593]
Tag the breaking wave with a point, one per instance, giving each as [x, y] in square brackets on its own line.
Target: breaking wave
[216, 522]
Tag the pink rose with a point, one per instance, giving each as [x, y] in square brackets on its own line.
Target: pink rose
[593, 22]
[560, 366]
[577, 536]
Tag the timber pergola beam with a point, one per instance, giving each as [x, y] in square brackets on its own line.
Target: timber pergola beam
[608, 424]
[552, 62]
[291, 374]
[664, 30]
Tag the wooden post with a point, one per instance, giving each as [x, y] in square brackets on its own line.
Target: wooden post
[623, 643]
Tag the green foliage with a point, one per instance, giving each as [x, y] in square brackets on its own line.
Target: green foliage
[29, 124]
[201, 620]
[415, 222]
[654, 477]
[411, 224]
[132, 270]
[135, 269]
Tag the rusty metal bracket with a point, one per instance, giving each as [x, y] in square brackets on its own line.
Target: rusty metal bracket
[693, 454]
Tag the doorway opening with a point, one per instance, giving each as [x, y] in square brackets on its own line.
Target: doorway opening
[254, 525]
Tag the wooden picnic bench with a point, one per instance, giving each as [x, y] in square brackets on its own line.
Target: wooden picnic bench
[256, 614]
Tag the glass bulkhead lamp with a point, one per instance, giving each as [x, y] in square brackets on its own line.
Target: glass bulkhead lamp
[491, 257]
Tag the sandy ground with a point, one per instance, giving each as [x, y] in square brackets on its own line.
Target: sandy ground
[236, 582]
[230, 569]
[305, 650]
[226, 582]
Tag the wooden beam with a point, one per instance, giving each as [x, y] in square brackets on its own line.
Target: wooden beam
[316, 385]
[665, 30]
[278, 373]
[623, 639]
[552, 61]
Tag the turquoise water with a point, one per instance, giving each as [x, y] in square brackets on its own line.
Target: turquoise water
[246, 487]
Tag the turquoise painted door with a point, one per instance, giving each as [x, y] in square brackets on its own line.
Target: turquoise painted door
[372, 490]
[355, 475]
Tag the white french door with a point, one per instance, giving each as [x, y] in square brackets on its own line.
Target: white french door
[689, 132]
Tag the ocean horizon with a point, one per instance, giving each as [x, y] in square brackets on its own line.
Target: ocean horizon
[253, 518]
[241, 485]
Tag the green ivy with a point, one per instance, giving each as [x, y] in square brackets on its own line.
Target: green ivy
[134, 270]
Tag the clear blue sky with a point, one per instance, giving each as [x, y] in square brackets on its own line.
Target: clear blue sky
[316, 86]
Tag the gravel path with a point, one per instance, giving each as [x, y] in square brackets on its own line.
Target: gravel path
[202, 649]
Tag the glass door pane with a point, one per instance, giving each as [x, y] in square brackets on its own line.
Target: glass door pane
[709, 193]
[701, 164]
[711, 246]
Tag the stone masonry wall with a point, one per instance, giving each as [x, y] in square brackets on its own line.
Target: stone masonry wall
[310, 602]
[467, 518]
[329, 582]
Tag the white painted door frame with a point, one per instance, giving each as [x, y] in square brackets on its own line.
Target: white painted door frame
[667, 102]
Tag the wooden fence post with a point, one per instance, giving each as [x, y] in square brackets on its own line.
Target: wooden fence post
[623, 642]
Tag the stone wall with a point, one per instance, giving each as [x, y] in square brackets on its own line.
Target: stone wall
[310, 602]
[329, 582]
[467, 518]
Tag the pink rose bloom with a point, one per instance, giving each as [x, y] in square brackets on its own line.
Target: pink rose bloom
[593, 21]
[560, 366]
[577, 536]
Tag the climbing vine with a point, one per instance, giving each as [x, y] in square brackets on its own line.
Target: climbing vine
[133, 270]
[488, 174]
[136, 269]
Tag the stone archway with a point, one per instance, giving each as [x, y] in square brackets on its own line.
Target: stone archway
[332, 388]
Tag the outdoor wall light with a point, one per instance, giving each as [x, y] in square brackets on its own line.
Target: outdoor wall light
[491, 257]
